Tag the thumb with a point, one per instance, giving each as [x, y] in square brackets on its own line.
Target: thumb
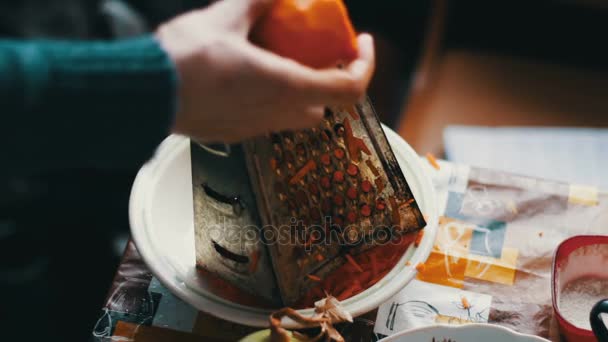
[245, 13]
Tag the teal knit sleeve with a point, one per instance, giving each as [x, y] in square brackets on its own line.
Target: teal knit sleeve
[83, 104]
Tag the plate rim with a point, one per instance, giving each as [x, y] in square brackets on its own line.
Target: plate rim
[468, 326]
[365, 301]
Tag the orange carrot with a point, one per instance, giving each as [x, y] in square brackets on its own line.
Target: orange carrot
[420, 267]
[408, 263]
[319, 257]
[432, 160]
[313, 277]
[353, 262]
[419, 238]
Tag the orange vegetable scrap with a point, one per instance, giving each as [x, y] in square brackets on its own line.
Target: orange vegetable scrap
[420, 267]
[376, 278]
[465, 302]
[354, 144]
[313, 277]
[353, 262]
[379, 184]
[395, 213]
[309, 166]
[408, 263]
[253, 263]
[359, 272]
[419, 238]
[355, 287]
[372, 168]
[432, 160]
[352, 111]
[317, 33]
[319, 257]
[374, 265]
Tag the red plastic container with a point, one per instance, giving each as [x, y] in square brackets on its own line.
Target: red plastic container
[568, 266]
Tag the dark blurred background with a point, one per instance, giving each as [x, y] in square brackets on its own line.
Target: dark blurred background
[439, 62]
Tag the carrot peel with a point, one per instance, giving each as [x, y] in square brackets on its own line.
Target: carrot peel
[433, 161]
[313, 277]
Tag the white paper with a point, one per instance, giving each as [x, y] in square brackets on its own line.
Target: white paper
[450, 177]
[421, 304]
[573, 155]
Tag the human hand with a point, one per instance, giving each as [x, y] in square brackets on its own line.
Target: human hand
[231, 89]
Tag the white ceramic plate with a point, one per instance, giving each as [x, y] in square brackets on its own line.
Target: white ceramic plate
[462, 333]
[161, 217]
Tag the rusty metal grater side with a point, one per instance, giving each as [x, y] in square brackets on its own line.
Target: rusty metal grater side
[325, 192]
[226, 222]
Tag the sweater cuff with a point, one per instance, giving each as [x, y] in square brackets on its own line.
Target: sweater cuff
[121, 97]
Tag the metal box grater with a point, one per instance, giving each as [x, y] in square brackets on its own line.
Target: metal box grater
[298, 202]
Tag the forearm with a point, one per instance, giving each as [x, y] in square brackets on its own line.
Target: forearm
[81, 104]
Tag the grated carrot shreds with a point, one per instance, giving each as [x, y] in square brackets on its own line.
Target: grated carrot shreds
[433, 161]
[377, 278]
[419, 238]
[340, 282]
[374, 265]
[465, 302]
[365, 277]
[353, 262]
[313, 277]
[420, 267]
[354, 288]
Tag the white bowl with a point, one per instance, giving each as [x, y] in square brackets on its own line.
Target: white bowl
[462, 333]
[161, 217]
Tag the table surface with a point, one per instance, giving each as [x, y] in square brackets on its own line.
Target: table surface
[494, 246]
